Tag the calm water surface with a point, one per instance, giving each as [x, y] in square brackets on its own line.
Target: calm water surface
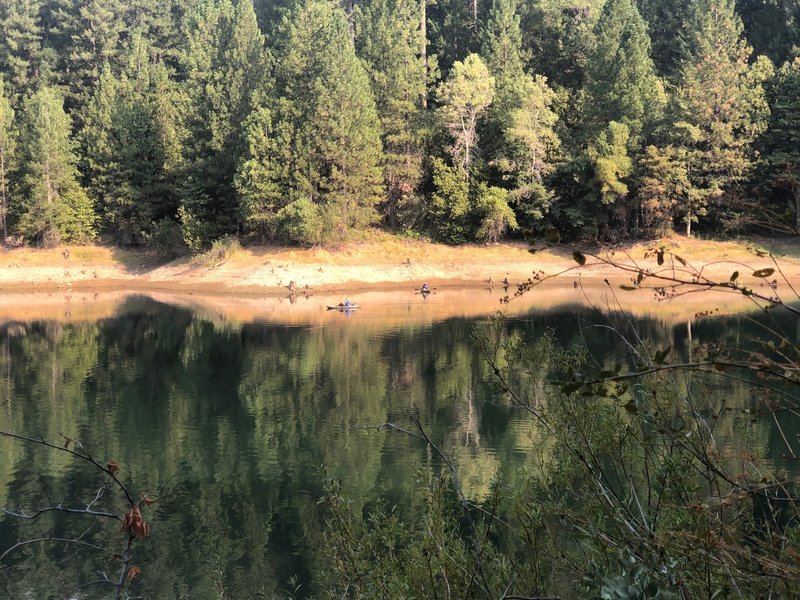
[246, 418]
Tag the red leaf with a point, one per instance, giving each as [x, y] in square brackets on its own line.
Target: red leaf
[133, 522]
[133, 572]
[112, 467]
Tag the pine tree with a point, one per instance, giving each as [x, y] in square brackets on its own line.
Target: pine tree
[159, 22]
[519, 135]
[131, 148]
[780, 144]
[464, 96]
[225, 63]
[93, 30]
[502, 43]
[772, 27]
[97, 162]
[53, 206]
[388, 39]
[559, 34]
[664, 189]
[321, 142]
[452, 31]
[449, 209]
[621, 84]
[720, 107]
[7, 151]
[263, 182]
[20, 45]
[667, 23]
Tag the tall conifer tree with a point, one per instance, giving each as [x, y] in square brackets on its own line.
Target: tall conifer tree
[667, 22]
[321, 143]
[519, 136]
[772, 27]
[93, 31]
[53, 206]
[7, 151]
[720, 107]
[560, 35]
[20, 45]
[388, 39]
[502, 42]
[225, 64]
[130, 144]
[621, 84]
[780, 144]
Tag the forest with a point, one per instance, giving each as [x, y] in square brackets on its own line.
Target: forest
[170, 124]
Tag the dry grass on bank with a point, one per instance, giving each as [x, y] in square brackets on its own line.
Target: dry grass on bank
[380, 259]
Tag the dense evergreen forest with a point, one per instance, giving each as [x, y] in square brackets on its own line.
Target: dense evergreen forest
[174, 123]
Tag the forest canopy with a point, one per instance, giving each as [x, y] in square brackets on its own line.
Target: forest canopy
[170, 124]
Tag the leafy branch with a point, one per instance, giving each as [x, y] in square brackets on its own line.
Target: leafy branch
[132, 521]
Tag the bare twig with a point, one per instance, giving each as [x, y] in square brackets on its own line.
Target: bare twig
[84, 586]
[84, 455]
[51, 539]
[60, 508]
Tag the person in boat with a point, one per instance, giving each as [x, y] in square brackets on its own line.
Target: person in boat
[425, 289]
[347, 302]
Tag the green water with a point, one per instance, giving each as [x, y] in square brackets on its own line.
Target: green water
[245, 421]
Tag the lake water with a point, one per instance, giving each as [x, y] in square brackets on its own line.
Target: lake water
[245, 405]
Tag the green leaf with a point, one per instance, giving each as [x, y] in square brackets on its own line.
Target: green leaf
[763, 272]
[579, 257]
[572, 387]
[680, 260]
[734, 276]
[631, 407]
[627, 288]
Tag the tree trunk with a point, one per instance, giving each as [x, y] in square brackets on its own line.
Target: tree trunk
[423, 29]
[689, 225]
[797, 209]
[3, 208]
[350, 21]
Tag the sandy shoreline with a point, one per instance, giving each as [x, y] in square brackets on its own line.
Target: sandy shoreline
[254, 284]
[387, 264]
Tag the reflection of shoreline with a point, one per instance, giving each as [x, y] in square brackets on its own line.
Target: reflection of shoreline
[381, 308]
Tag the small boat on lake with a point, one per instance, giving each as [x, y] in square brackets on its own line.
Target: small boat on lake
[343, 307]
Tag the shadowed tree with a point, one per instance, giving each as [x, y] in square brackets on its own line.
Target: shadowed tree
[780, 144]
[225, 63]
[7, 150]
[20, 45]
[131, 144]
[388, 40]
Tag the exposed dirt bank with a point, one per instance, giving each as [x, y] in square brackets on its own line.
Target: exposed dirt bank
[386, 262]
[252, 285]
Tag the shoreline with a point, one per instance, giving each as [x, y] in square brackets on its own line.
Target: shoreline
[387, 264]
[251, 284]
